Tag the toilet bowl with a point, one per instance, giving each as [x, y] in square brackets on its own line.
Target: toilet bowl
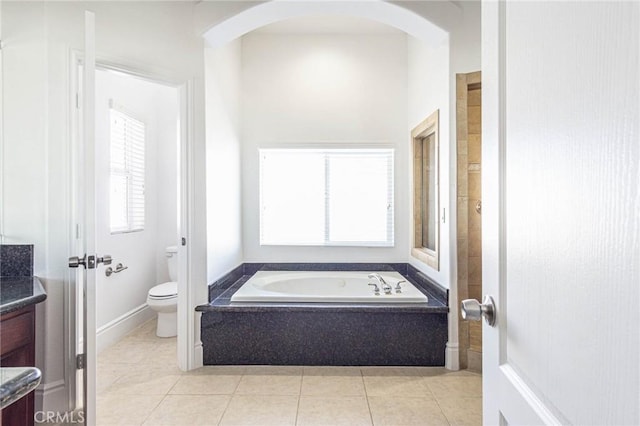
[163, 298]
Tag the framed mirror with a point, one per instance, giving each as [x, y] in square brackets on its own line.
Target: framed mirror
[426, 226]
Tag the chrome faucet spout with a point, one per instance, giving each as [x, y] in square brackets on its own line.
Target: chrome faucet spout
[385, 287]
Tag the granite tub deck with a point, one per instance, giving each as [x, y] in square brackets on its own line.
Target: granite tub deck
[321, 333]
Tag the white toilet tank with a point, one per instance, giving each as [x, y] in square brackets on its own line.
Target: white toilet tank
[172, 262]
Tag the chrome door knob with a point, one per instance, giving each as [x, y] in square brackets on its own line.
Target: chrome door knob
[473, 310]
[75, 261]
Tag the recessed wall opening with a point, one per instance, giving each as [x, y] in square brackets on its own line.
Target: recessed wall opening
[469, 224]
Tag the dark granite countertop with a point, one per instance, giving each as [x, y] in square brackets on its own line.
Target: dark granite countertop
[16, 382]
[20, 292]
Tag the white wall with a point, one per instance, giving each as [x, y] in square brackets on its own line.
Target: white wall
[428, 81]
[38, 38]
[224, 214]
[142, 252]
[328, 89]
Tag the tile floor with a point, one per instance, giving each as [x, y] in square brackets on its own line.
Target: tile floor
[139, 384]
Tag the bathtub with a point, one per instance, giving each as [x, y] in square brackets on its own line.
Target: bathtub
[324, 287]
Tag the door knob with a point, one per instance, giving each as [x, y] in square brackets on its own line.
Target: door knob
[89, 262]
[75, 261]
[473, 310]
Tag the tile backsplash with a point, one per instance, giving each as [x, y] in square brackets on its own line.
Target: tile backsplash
[16, 260]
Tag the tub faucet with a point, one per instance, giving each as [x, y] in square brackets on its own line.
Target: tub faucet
[385, 287]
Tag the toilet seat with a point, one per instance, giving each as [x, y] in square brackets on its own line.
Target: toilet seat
[168, 290]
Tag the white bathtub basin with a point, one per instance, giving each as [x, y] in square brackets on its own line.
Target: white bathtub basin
[324, 287]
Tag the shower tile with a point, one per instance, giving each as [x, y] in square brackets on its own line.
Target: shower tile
[462, 411]
[475, 270]
[475, 187]
[475, 119]
[401, 410]
[336, 411]
[475, 148]
[475, 243]
[261, 410]
[182, 410]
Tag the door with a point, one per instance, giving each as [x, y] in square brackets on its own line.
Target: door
[87, 261]
[560, 212]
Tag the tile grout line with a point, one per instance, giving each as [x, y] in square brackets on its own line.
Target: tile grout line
[366, 396]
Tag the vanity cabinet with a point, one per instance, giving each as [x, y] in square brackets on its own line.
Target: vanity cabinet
[17, 349]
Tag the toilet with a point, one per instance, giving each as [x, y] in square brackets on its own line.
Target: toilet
[163, 298]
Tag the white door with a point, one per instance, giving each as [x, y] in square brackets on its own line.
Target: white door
[560, 212]
[87, 260]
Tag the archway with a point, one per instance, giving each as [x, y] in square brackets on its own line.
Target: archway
[278, 10]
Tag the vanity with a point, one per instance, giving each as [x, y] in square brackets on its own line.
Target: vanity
[20, 291]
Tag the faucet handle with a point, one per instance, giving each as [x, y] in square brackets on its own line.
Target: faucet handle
[376, 289]
[398, 287]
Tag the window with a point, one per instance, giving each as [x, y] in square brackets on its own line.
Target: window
[333, 197]
[127, 139]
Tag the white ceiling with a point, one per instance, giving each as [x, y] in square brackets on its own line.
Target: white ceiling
[327, 25]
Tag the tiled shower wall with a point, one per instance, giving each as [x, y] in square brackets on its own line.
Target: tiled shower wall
[469, 197]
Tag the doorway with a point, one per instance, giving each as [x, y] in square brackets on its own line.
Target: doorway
[140, 204]
[469, 198]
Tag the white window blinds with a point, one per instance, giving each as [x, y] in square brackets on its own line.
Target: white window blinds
[127, 140]
[333, 197]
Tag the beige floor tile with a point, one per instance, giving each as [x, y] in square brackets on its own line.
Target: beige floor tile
[336, 411]
[405, 371]
[332, 371]
[321, 385]
[400, 410]
[261, 410]
[225, 370]
[146, 331]
[397, 386]
[192, 410]
[107, 374]
[128, 352]
[455, 386]
[273, 382]
[116, 409]
[273, 370]
[462, 411]
[144, 383]
[206, 384]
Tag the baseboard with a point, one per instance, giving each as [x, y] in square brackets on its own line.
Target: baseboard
[115, 330]
[452, 357]
[198, 356]
[51, 396]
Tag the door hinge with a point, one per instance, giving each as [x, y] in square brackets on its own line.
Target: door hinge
[80, 361]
